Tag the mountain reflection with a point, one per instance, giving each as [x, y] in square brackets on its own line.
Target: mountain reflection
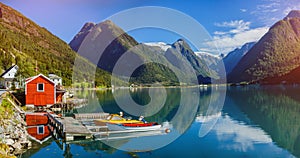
[258, 121]
[274, 109]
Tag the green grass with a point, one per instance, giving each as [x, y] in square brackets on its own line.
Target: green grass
[6, 109]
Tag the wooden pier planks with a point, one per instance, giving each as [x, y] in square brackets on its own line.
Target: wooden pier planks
[73, 128]
[69, 128]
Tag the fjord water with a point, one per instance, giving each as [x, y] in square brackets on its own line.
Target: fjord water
[255, 121]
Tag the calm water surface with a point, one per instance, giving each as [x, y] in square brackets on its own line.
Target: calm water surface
[252, 122]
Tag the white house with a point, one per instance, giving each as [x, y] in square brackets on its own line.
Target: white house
[7, 77]
[56, 79]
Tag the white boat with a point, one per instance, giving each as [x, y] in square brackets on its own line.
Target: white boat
[127, 134]
[122, 127]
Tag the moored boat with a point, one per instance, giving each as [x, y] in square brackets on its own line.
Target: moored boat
[115, 118]
[133, 126]
[116, 122]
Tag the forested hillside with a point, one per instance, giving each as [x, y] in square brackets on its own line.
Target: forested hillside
[275, 54]
[28, 45]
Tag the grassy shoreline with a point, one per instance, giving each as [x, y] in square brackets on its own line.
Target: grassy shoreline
[14, 137]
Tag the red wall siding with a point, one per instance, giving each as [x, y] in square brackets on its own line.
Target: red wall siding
[33, 132]
[40, 98]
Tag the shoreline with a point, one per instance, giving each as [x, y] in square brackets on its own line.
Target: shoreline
[14, 137]
[141, 87]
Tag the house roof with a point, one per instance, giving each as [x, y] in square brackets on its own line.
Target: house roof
[6, 71]
[53, 76]
[34, 77]
[60, 90]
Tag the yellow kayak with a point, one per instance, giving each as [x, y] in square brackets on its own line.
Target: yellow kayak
[117, 119]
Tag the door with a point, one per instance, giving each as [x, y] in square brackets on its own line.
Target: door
[40, 100]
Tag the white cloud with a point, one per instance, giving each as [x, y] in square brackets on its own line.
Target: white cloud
[228, 42]
[271, 11]
[290, 8]
[236, 34]
[268, 6]
[233, 24]
[236, 26]
[244, 137]
[220, 33]
[243, 10]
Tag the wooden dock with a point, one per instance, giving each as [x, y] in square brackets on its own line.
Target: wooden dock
[86, 127]
[74, 129]
[69, 128]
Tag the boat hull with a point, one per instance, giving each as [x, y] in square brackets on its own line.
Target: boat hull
[121, 127]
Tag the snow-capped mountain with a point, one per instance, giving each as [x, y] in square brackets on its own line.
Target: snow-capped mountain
[161, 45]
[233, 57]
[211, 60]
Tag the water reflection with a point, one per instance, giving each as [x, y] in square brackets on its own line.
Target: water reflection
[276, 110]
[254, 122]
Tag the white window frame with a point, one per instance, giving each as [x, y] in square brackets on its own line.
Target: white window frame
[37, 87]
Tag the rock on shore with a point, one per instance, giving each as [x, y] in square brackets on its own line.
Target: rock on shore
[13, 135]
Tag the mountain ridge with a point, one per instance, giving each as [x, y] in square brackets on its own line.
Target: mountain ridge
[77, 40]
[111, 46]
[233, 57]
[275, 54]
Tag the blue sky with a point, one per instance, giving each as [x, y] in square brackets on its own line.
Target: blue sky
[231, 23]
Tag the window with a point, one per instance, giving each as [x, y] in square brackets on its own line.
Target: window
[40, 129]
[40, 87]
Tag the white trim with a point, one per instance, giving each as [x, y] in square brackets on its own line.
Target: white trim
[29, 106]
[41, 142]
[33, 138]
[37, 87]
[54, 94]
[34, 77]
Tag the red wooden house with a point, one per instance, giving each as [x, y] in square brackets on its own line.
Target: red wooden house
[40, 91]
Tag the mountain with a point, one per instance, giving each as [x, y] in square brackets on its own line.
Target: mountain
[108, 46]
[107, 43]
[203, 72]
[290, 78]
[275, 54]
[293, 14]
[77, 40]
[233, 57]
[104, 39]
[28, 45]
[210, 59]
[163, 46]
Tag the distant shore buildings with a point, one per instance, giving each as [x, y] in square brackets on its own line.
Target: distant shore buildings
[8, 78]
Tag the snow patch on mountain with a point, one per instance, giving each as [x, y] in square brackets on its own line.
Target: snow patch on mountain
[161, 45]
[205, 54]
